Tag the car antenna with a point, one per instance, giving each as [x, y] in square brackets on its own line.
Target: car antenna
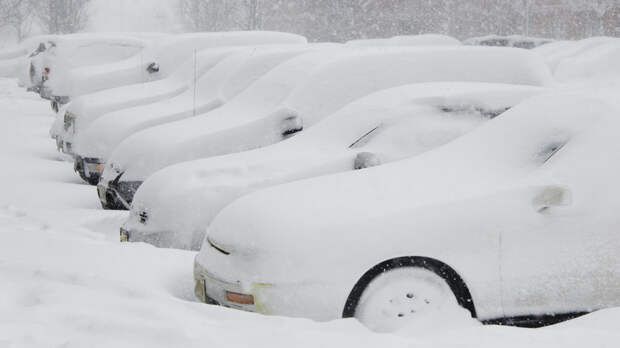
[195, 81]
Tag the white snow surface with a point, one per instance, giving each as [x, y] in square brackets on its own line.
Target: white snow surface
[181, 200]
[254, 119]
[65, 281]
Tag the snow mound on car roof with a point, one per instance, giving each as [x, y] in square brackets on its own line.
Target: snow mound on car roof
[409, 40]
[597, 65]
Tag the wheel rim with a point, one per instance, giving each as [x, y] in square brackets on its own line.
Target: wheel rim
[398, 296]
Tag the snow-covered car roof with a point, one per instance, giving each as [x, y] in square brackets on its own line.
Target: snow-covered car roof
[518, 41]
[91, 106]
[258, 116]
[181, 200]
[547, 140]
[234, 72]
[556, 52]
[599, 64]
[409, 40]
[166, 53]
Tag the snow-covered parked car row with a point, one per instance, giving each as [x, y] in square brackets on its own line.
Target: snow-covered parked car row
[378, 179]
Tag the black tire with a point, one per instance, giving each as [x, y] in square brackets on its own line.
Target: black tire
[454, 281]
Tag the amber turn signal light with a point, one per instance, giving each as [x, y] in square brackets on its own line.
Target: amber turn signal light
[240, 298]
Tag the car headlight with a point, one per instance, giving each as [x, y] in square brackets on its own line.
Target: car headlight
[93, 165]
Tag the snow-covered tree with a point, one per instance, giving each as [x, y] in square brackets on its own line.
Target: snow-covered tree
[16, 14]
[211, 15]
[61, 16]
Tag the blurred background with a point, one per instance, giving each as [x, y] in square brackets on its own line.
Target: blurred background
[319, 20]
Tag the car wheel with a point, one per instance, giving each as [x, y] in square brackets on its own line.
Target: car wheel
[395, 297]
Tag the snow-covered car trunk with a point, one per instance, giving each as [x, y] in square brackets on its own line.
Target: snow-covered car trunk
[156, 61]
[84, 110]
[522, 210]
[231, 76]
[322, 91]
[175, 205]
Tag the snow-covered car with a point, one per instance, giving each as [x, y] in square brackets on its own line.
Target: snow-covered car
[16, 61]
[599, 64]
[323, 90]
[556, 53]
[84, 110]
[62, 54]
[232, 75]
[516, 222]
[508, 41]
[173, 206]
[68, 75]
[409, 40]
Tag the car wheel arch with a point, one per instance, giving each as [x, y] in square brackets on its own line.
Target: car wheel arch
[443, 270]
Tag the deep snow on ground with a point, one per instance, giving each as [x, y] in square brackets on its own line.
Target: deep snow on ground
[66, 281]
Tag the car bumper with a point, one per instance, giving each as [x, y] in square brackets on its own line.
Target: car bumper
[212, 290]
[89, 169]
[160, 239]
[318, 299]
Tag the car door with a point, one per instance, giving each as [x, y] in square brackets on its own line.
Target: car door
[563, 256]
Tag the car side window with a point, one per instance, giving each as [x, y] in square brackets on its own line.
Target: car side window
[549, 151]
[364, 139]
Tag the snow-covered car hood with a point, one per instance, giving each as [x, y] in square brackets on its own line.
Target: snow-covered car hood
[254, 119]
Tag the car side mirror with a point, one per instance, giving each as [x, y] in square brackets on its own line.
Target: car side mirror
[552, 196]
[152, 68]
[366, 160]
[291, 125]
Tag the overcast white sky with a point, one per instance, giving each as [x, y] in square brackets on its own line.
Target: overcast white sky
[134, 15]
